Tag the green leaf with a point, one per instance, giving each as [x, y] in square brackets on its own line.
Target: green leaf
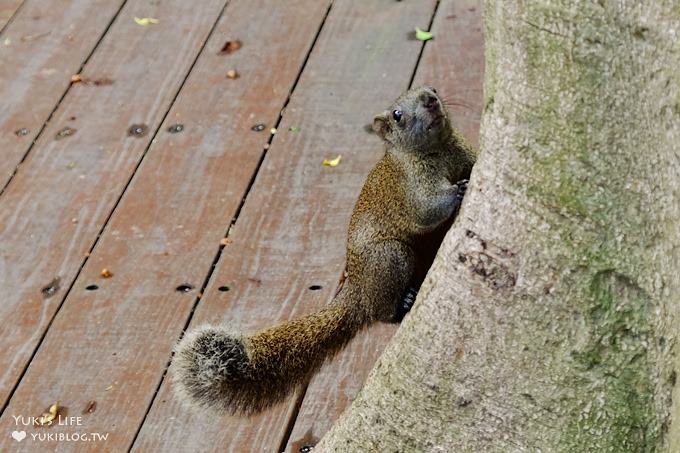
[423, 35]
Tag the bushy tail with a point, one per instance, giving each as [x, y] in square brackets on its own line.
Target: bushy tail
[216, 369]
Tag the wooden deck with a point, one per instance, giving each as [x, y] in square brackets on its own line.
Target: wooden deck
[149, 167]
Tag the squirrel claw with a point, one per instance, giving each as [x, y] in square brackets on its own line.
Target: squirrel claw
[406, 302]
[462, 186]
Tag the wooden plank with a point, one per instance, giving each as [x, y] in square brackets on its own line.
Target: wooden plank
[291, 232]
[44, 45]
[167, 228]
[52, 212]
[8, 9]
[453, 63]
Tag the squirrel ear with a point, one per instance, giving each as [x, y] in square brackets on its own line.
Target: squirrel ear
[381, 124]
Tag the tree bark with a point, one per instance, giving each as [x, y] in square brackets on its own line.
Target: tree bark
[549, 321]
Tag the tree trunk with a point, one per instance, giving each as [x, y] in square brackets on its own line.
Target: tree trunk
[549, 321]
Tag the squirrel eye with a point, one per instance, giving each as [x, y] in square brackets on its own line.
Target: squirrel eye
[396, 114]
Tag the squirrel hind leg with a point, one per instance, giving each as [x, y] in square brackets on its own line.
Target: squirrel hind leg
[209, 368]
[406, 303]
[388, 267]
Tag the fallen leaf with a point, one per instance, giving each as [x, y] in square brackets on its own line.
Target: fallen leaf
[423, 35]
[332, 162]
[230, 47]
[144, 21]
[47, 417]
[232, 74]
[225, 241]
[71, 165]
[76, 78]
[294, 129]
[91, 407]
[105, 273]
[110, 387]
[101, 82]
[36, 36]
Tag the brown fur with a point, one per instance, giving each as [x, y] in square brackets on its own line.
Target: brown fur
[404, 209]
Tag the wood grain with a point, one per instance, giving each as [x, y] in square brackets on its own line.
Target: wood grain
[291, 232]
[44, 45]
[112, 345]
[8, 8]
[453, 63]
[52, 212]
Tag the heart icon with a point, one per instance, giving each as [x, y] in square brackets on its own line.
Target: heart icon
[19, 435]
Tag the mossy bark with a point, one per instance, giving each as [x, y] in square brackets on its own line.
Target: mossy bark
[549, 321]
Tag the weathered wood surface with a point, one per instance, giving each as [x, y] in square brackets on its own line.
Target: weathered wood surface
[167, 228]
[8, 8]
[453, 63]
[44, 45]
[291, 232]
[56, 205]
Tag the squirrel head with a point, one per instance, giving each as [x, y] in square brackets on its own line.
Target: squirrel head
[417, 121]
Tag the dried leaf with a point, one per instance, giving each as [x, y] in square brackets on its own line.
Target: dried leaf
[332, 162]
[230, 47]
[47, 417]
[225, 241]
[294, 129]
[36, 36]
[105, 273]
[232, 74]
[423, 35]
[102, 81]
[91, 407]
[144, 21]
[76, 78]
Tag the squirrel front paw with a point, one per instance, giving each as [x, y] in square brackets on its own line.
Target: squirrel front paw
[461, 188]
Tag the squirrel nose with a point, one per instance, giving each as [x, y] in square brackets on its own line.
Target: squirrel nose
[430, 102]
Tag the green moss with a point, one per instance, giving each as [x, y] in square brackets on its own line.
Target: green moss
[615, 364]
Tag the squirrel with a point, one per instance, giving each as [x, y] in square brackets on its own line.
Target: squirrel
[407, 204]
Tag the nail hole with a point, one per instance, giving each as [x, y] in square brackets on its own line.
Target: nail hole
[51, 288]
[65, 132]
[315, 287]
[184, 288]
[92, 287]
[176, 128]
[137, 130]
[224, 289]
[21, 132]
[306, 448]
[259, 127]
